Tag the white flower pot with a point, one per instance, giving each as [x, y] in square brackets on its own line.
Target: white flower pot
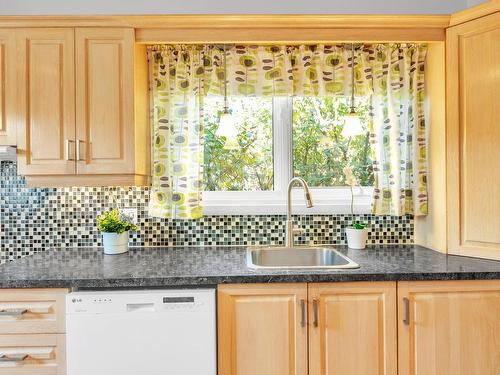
[356, 238]
[115, 243]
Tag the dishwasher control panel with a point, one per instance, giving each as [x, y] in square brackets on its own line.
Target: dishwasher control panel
[93, 302]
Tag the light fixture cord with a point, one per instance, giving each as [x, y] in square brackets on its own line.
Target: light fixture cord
[225, 80]
[352, 77]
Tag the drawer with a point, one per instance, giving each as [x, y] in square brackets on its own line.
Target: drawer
[32, 311]
[32, 354]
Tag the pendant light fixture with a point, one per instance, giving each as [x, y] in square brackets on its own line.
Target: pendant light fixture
[227, 126]
[352, 122]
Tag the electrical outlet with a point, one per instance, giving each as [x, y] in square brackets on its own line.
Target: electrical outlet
[131, 213]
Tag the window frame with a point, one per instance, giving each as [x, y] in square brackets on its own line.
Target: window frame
[333, 200]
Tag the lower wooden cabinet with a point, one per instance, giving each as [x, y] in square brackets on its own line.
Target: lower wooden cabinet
[38, 354]
[352, 328]
[262, 329]
[372, 328]
[449, 327]
[32, 331]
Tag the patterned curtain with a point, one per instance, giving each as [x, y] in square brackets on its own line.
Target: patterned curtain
[178, 79]
[398, 129]
[392, 75]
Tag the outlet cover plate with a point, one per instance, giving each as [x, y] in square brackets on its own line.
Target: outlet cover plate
[130, 212]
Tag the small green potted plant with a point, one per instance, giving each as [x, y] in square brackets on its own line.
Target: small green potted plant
[115, 228]
[357, 233]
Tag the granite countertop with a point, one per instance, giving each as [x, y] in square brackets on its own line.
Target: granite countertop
[191, 266]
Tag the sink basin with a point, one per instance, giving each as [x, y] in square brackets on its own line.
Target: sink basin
[297, 257]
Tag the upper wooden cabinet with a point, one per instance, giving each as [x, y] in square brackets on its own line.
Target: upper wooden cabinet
[105, 100]
[449, 327]
[77, 120]
[352, 329]
[262, 329]
[8, 87]
[46, 101]
[473, 137]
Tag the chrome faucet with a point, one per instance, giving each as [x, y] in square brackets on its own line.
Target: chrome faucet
[289, 222]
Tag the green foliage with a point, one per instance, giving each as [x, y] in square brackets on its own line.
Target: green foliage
[320, 152]
[112, 222]
[250, 165]
[358, 225]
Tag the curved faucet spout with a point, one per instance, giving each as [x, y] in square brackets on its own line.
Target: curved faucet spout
[309, 204]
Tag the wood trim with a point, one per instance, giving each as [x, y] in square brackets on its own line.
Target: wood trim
[231, 21]
[478, 11]
[429, 228]
[87, 180]
[287, 35]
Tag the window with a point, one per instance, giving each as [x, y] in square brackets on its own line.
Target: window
[278, 138]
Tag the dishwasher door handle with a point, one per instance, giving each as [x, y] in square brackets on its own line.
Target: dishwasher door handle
[140, 307]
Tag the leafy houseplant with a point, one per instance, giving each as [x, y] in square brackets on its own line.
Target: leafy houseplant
[357, 233]
[115, 228]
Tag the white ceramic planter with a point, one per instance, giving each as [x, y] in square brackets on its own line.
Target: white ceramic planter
[115, 243]
[356, 238]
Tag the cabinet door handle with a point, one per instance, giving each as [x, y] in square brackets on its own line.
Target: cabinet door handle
[67, 149]
[13, 312]
[13, 357]
[406, 302]
[77, 150]
[315, 312]
[302, 313]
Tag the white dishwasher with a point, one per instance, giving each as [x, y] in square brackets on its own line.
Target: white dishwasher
[153, 332]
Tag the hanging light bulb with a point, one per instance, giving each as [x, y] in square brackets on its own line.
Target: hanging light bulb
[352, 122]
[227, 126]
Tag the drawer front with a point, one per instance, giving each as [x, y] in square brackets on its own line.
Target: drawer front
[32, 354]
[32, 311]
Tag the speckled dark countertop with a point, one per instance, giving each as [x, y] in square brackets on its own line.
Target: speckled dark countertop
[190, 266]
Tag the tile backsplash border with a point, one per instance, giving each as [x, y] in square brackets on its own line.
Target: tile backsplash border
[33, 220]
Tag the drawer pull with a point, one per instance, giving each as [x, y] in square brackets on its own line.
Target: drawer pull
[13, 312]
[13, 357]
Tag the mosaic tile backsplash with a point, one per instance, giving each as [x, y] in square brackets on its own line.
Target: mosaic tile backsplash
[33, 220]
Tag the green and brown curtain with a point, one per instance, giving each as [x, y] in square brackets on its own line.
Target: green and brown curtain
[392, 75]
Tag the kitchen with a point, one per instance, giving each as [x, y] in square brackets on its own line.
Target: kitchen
[300, 191]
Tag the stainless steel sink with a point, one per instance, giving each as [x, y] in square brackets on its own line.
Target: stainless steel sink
[297, 257]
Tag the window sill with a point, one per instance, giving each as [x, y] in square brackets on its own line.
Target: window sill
[326, 202]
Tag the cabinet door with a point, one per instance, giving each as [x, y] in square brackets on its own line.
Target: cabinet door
[8, 87]
[46, 100]
[449, 327]
[262, 329]
[105, 100]
[352, 329]
[473, 134]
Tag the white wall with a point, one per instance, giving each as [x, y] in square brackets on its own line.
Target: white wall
[44, 7]
[471, 3]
